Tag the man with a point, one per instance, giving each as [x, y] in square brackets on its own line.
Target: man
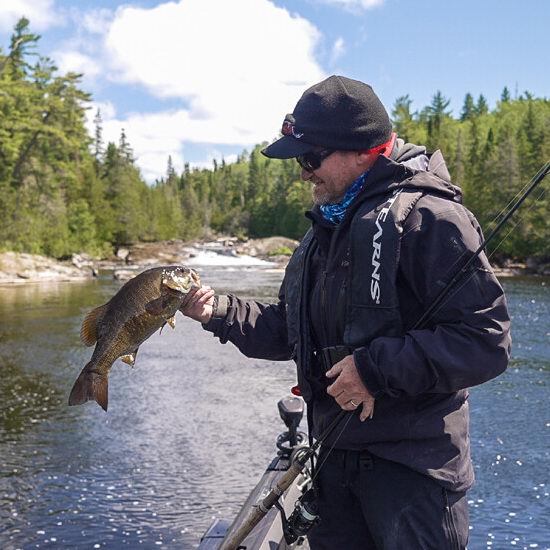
[388, 233]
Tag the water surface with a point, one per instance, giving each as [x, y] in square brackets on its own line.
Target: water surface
[192, 426]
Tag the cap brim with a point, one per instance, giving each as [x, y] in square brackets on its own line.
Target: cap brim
[287, 147]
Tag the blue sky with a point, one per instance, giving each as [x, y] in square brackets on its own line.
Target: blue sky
[201, 79]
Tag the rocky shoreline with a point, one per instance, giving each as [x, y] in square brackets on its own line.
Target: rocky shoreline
[19, 268]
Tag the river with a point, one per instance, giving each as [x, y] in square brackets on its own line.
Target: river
[191, 427]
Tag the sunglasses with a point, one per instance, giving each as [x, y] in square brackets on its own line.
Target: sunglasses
[312, 161]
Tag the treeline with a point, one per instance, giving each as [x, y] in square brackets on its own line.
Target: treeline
[62, 191]
[491, 155]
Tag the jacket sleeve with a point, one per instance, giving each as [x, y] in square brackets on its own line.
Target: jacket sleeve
[467, 340]
[258, 330]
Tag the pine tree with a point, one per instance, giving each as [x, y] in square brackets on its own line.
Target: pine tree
[468, 109]
[402, 117]
[505, 96]
[482, 107]
[98, 147]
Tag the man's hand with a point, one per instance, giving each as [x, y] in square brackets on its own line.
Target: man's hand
[198, 303]
[348, 389]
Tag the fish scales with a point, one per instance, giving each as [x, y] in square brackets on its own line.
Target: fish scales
[141, 307]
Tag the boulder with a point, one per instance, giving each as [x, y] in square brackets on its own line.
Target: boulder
[18, 267]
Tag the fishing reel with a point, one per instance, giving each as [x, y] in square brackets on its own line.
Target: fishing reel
[304, 517]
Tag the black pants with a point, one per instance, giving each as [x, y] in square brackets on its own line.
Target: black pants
[368, 503]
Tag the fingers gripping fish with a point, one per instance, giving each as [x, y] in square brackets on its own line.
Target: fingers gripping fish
[141, 307]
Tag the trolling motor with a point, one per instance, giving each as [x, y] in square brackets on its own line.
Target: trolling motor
[291, 411]
[304, 515]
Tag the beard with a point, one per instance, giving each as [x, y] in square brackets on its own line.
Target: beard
[322, 196]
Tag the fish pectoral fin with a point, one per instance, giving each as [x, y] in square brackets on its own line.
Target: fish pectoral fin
[88, 331]
[172, 321]
[155, 307]
[130, 358]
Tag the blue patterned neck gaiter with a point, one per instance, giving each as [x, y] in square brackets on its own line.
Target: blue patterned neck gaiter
[335, 213]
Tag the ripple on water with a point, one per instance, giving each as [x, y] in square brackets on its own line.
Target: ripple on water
[192, 427]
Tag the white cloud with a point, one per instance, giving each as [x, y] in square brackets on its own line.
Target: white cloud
[218, 156]
[354, 5]
[338, 50]
[237, 67]
[106, 109]
[76, 62]
[150, 136]
[95, 21]
[41, 13]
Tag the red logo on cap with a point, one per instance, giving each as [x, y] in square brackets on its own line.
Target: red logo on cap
[288, 129]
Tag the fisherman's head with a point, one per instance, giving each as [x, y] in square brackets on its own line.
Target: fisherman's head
[336, 131]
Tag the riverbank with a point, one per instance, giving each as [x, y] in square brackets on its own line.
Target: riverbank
[271, 252]
[274, 252]
[19, 268]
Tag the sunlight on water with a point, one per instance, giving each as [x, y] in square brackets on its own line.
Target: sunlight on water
[191, 428]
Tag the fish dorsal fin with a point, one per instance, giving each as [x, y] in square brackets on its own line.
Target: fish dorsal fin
[88, 332]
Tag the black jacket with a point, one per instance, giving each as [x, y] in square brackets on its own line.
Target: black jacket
[418, 377]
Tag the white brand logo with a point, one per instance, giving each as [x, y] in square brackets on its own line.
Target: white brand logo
[377, 249]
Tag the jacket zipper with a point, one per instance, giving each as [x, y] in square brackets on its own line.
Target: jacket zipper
[323, 308]
[450, 523]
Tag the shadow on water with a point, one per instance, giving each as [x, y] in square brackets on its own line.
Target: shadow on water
[192, 426]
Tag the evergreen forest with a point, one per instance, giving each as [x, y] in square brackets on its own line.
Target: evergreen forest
[63, 191]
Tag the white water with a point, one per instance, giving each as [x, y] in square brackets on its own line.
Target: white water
[213, 258]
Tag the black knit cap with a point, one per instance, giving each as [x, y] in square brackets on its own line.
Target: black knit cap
[338, 113]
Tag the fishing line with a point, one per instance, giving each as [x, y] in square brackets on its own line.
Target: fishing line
[511, 201]
[318, 467]
[535, 202]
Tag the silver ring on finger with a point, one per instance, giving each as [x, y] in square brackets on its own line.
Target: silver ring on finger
[353, 403]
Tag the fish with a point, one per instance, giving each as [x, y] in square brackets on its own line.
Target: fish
[142, 306]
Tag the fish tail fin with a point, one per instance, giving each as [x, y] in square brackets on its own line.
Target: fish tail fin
[90, 385]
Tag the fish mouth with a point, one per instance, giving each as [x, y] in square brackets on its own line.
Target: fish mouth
[181, 281]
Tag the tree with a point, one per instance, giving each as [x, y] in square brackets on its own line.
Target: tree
[468, 109]
[482, 107]
[402, 117]
[98, 148]
[505, 96]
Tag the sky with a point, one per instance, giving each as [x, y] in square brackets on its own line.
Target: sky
[206, 79]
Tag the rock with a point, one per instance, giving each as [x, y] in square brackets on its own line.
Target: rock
[532, 263]
[122, 254]
[157, 253]
[267, 247]
[19, 267]
[82, 260]
[124, 274]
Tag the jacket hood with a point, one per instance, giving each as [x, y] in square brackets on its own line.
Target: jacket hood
[410, 167]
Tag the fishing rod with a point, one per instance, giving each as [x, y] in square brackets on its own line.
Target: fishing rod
[539, 176]
[303, 455]
[296, 467]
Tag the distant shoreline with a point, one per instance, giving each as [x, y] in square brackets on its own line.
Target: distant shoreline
[22, 268]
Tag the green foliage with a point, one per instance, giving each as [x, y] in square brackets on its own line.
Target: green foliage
[62, 191]
[281, 251]
[492, 155]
